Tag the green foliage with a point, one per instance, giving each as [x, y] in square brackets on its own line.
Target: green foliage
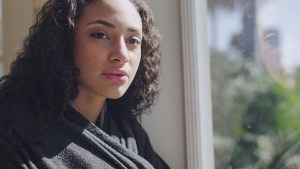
[272, 115]
[256, 120]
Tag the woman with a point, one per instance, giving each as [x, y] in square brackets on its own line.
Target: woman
[279, 39]
[87, 70]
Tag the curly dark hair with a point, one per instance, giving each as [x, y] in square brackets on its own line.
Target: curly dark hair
[44, 71]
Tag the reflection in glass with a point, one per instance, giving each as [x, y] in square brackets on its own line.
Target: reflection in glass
[255, 61]
[276, 20]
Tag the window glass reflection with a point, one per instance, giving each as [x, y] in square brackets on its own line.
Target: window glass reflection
[255, 60]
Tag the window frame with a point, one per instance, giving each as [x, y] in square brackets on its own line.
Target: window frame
[197, 85]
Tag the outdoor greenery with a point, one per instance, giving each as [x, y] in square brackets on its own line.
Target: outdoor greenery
[256, 120]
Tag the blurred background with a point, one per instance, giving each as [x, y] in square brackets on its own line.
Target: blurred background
[255, 60]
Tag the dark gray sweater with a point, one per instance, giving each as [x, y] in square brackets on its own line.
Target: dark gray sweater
[71, 141]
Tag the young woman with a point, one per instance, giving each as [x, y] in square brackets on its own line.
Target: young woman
[87, 70]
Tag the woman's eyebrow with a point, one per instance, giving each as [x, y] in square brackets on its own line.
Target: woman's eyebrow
[132, 29]
[102, 22]
[110, 25]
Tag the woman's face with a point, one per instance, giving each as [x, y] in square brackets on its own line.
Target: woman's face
[280, 39]
[107, 48]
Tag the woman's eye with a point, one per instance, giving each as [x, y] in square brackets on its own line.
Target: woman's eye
[134, 41]
[271, 36]
[100, 35]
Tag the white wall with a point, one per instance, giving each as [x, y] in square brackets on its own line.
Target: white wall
[165, 125]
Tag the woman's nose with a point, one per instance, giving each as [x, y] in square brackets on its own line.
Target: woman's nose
[119, 51]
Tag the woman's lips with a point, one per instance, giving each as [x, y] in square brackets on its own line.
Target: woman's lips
[116, 75]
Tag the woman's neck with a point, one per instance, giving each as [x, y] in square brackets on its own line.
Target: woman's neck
[89, 108]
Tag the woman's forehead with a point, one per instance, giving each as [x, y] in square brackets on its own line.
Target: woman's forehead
[274, 11]
[118, 10]
[280, 15]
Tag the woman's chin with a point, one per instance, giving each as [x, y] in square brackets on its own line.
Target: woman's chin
[286, 80]
[116, 95]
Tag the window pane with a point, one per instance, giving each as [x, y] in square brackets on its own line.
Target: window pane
[255, 60]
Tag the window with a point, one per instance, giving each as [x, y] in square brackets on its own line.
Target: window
[242, 87]
[255, 60]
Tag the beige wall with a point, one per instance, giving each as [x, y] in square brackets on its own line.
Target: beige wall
[17, 17]
[165, 125]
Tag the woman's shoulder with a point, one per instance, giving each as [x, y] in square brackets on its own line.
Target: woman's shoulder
[18, 124]
[11, 160]
[17, 112]
[13, 153]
